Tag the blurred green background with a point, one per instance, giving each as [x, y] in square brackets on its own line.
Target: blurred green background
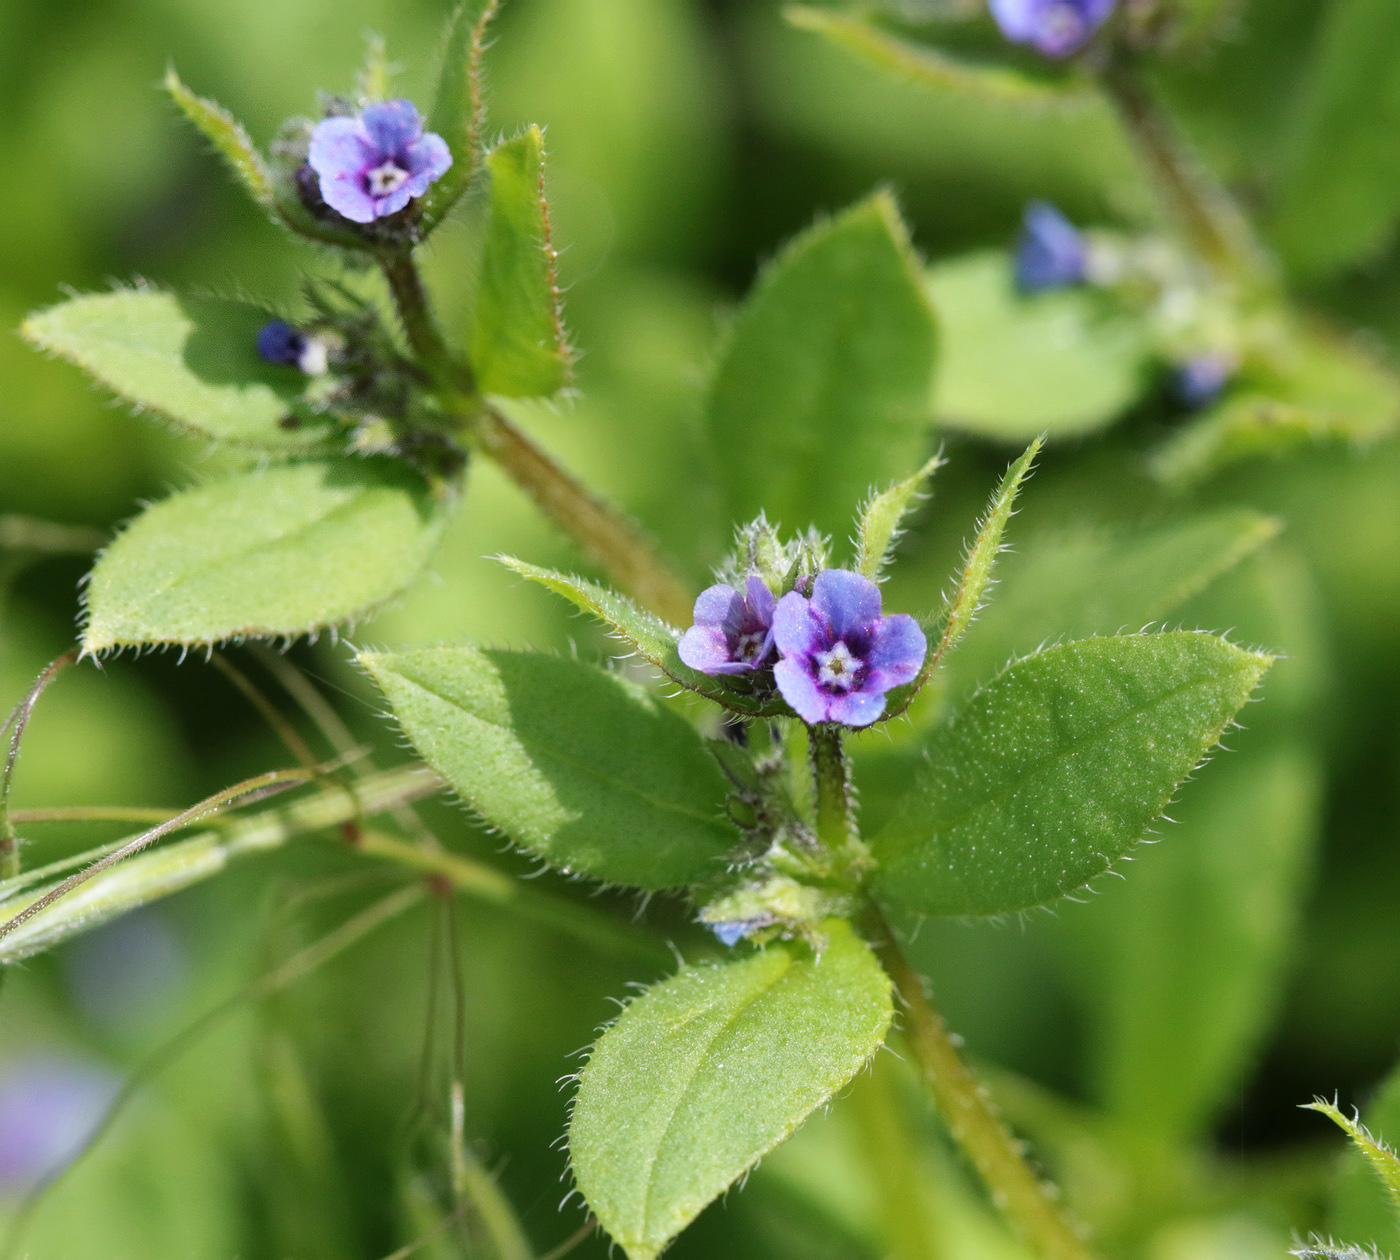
[688, 140]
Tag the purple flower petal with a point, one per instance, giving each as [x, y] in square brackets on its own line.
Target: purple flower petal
[392, 126]
[859, 708]
[799, 688]
[1050, 253]
[707, 649]
[759, 598]
[1055, 28]
[848, 601]
[339, 147]
[1016, 17]
[795, 629]
[897, 651]
[345, 196]
[429, 158]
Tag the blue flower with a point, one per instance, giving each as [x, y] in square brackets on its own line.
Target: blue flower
[1050, 253]
[1056, 28]
[1202, 378]
[733, 631]
[373, 164]
[280, 343]
[839, 655]
[49, 1108]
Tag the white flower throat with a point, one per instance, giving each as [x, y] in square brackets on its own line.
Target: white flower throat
[837, 667]
[748, 646]
[386, 178]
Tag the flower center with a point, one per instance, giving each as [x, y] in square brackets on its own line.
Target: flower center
[837, 668]
[386, 178]
[748, 646]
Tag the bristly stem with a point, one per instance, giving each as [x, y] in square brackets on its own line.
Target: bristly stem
[1205, 213]
[603, 533]
[1031, 1204]
[836, 816]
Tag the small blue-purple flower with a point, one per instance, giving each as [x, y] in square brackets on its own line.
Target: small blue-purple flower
[1050, 252]
[1201, 379]
[733, 630]
[48, 1109]
[372, 164]
[1055, 28]
[839, 655]
[280, 343]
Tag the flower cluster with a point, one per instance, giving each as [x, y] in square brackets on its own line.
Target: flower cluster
[372, 164]
[837, 656]
[1054, 28]
[1050, 252]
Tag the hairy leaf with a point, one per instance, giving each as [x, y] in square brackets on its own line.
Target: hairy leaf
[458, 111]
[1363, 1206]
[579, 766]
[227, 136]
[706, 1072]
[1385, 1163]
[882, 518]
[283, 551]
[1045, 778]
[1013, 366]
[822, 388]
[653, 639]
[518, 346]
[193, 361]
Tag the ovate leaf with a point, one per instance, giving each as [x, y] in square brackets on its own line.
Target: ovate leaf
[652, 638]
[518, 346]
[822, 388]
[1042, 780]
[284, 551]
[705, 1073]
[579, 766]
[1012, 366]
[882, 519]
[192, 361]
[459, 110]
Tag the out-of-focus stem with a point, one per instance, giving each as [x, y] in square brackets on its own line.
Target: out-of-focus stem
[603, 533]
[1028, 1202]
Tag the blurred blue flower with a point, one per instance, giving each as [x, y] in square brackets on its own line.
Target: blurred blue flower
[1050, 252]
[128, 973]
[49, 1108]
[372, 164]
[280, 343]
[840, 656]
[733, 631]
[1056, 28]
[1202, 378]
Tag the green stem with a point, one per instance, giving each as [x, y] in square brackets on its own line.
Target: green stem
[1028, 1202]
[1203, 210]
[452, 377]
[599, 529]
[836, 822]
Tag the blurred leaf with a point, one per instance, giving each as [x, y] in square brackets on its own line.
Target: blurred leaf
[1309, 386]
[1341, 193]
[1363, 1208]
[931, 68]
[582, 768]
[966, 600]
[459, 111]
[1081, 583]
[228, 137]
[1044, 779]
[882, 519]
[1012, 366]
[654, 640]
[518, 346]
[821, 390]
[705, 1073]
[279, 552]
[1384, 1162]
[192, 361]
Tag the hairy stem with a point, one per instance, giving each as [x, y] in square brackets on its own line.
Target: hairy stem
[451, 375]
[1028, 1202]
[836, 818]
[1205, 213]
[603, 533]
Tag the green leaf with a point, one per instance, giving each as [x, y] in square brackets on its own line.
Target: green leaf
[1341, 189]
[1045, 778]
[459, 111]
[283, 551]
[1385, 1163]
[881, 520]
[931, 68]
[192, 361]
[518, 346]
[707, 1072]
[966, 600]
[1063, 363]
[822, 388]
[1310, 386]
[1086, 582]
[1363, 1206]
[579, 766]
[653, 639]
[227, 136]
